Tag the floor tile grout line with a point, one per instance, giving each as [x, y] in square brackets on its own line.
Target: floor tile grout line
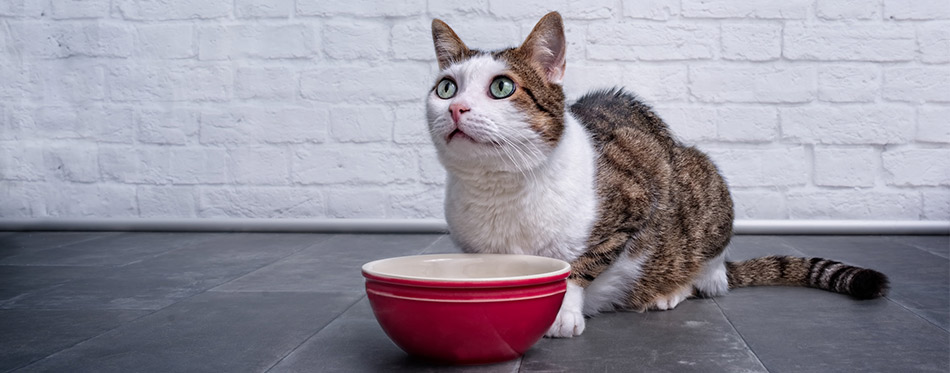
[327, 239]
[733, 326]
[27, 365]
[919, 316]
[305, 340]
[348, 308]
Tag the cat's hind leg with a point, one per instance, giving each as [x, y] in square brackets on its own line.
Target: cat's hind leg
[712, 280]
[670, 301]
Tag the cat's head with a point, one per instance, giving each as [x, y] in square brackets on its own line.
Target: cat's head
[501, 110]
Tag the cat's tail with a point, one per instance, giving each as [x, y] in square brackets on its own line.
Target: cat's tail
[861, 283]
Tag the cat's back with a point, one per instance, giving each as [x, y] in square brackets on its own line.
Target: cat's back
[614, 112]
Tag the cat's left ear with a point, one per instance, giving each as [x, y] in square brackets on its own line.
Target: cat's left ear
[546, 46]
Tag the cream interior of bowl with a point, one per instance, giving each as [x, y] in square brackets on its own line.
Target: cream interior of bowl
[467, 267]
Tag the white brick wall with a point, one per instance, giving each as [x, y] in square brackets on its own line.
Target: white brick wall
[831, 109]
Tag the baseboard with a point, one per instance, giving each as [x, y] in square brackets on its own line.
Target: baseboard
[823, 227]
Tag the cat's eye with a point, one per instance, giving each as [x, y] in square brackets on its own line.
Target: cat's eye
[446, 89]
[501, 87]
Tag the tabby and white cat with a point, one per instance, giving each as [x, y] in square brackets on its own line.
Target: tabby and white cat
[602, 183]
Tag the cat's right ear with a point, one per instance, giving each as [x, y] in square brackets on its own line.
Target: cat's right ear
[448, 47]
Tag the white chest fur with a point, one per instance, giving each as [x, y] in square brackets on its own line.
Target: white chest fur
[548, 211]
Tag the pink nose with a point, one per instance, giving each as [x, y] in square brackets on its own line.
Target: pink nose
[457, 109]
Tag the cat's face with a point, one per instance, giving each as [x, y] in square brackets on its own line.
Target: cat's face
[497, 111]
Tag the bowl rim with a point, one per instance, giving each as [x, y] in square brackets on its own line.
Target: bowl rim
[538, 278]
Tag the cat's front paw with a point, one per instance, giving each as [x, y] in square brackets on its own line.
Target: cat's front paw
[570, 319]
[568, 324]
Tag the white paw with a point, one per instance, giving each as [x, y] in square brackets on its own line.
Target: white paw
[671, 301]
[570, 319]
[567, 325]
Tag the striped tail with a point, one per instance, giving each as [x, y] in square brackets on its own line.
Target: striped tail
[861, 283]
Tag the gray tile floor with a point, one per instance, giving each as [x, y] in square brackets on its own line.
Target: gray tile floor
[244, 302]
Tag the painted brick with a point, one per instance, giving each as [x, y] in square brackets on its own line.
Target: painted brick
[659, 10]
[261, 202]
[165, 41]
[752, 204]
[916, 167]
[356, 39]
[274, 83]
[361, 123]
[849, 83]
[198, 166]
[654, 83]
[431, 171]
[17, 79]
[410, 125]
[418, 203]
[24, 8]
[22, 200]
[933, 41]
[257, 41]
[412, 41]
[758, 83]
[263, 8]
[167, 201]
[150, 10]
[746, 124]
[170, 127]
[77, 163]
[67, 9]
[589, 9]
[91, 200]
[442, 8]
[259, 165]
[848, 9]
[792, 9]
[529, 9]
[334, 164]
[70, 39]
[134, 165]
[691, 124]
[849, 42]
[357, 202]
[862, 124]
[785, 166]
[936, 204]
[361, 8]
[71, 81]
[845, 167]
[392, 82]
[133, 81]
[582, 78]
[243, 125]
[21, 162]
[853, 204]
[917, 84]
[652, 41]
[752, 41]
[916, 9]
[933, 124]
[504, 33]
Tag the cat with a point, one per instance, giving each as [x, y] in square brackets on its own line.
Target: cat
[602, 184]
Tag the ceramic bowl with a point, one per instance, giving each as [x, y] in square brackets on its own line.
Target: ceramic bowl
[466, 308]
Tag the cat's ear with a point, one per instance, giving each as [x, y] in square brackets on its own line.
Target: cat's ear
[448, 47]
[546, 46]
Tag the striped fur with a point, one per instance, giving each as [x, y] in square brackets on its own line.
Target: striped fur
[825, 274]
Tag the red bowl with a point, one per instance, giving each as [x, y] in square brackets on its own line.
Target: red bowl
[466, 308]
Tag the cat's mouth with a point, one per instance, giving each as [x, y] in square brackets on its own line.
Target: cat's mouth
[458, 133]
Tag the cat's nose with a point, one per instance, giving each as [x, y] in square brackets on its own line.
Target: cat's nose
[457, 109]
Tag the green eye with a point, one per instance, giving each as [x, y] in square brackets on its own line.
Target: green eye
[445, 89]
[502, 87]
